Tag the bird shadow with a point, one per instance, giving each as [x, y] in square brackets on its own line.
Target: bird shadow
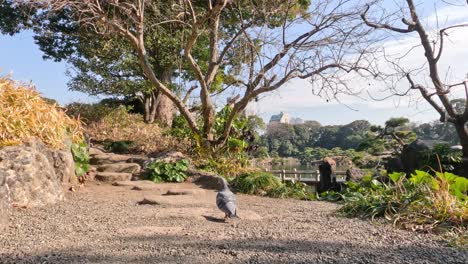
[214, 219]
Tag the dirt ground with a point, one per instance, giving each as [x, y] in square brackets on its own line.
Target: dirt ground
[104, 224]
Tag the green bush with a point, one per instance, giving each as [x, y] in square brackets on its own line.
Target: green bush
[443, 155]
[359, 158]
[266, 184]
[296, 190]
[421, 201]
[81, 158]
[122, 146]
[168, 172]
[256, 183]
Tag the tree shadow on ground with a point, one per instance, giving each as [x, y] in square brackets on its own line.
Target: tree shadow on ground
[183, 249]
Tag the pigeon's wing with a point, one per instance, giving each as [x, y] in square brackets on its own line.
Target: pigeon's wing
[226, 202]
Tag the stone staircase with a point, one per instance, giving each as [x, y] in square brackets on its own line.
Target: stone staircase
[111, 167]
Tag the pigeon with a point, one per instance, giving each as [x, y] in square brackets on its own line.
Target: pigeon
[226, 201]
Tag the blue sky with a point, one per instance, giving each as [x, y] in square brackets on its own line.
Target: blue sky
[21, 58]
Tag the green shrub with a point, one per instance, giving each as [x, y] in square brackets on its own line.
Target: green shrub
[267, 184]
[442, 154]
[296, 190]
[168, 172]
[359, 158]
[122, 146]
[81, 158]
[256, 183]
[421, 201]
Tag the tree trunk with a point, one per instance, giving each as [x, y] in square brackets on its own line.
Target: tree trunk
[165, 111]
[165, 108]
[462, 131]
[151, 102]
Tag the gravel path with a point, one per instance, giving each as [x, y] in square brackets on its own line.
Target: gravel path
[103, 224]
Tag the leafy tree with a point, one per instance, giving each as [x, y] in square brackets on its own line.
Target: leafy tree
[243, 58]
[437, 130]
[13, 17]
[393, 136]
[104, 65]
[326, 137]
[352, 134]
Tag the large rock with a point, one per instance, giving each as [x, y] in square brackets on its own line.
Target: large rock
[4, 202]
[415, 154]
[64, 166]
[167, 157]
[327, 170]
[34, 175]
[394, 165]
[354, 174]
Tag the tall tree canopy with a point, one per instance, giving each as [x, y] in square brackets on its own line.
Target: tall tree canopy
[251, 47]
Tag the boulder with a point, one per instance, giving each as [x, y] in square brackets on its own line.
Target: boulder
[34, 174]
[394, 165]
[4, 202]
[414, 155]
[64, 166]
[167, 157]
[327, 170]
[354, 174]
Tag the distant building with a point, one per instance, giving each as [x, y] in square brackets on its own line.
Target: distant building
[282, 118]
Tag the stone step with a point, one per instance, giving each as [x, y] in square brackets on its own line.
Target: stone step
[120, 167]
[113, 176]
[110, 158]
[107, 158]
[95, 151]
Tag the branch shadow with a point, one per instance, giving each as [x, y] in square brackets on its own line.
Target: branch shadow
[183, 249]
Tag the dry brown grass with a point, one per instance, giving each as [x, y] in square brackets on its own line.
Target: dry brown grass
[119, 125]
[24, 114]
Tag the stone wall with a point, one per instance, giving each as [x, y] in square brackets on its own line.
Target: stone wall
[4, 202]
[33, 175]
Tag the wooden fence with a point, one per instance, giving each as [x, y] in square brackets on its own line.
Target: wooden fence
[305, 176]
